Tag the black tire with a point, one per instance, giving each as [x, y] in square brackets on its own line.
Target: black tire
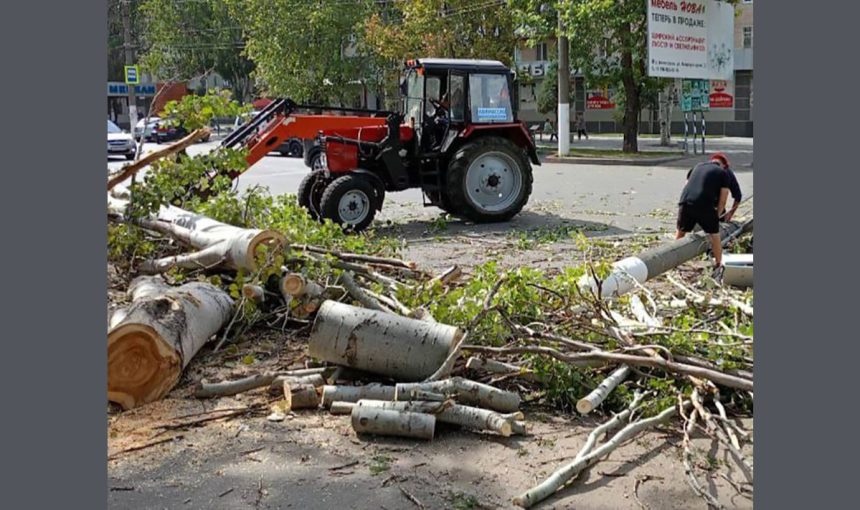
[311, 155]
[340, 187]
[455, 179]
[129, 157]
[296, 149]
[311, 191]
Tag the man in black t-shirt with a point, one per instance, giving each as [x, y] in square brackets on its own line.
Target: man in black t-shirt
[703, 198]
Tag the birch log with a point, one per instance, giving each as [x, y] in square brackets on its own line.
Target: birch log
[162, 330]
[341, 407]
[471, 418]
[500, 368]
[296, 285]
[217, 243]
[378, 342]
[373, 391]
[275, 381]
[386, 422]
[465, 392]
[587, 403]
[301, 396]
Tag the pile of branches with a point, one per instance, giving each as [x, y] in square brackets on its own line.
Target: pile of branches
[684, 351]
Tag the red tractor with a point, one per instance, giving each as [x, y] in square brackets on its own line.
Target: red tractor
[456, 137]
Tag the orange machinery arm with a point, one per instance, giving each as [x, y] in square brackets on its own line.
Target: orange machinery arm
[306, 127]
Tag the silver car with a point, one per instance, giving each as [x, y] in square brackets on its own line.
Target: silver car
[148, 132]
[119, 143]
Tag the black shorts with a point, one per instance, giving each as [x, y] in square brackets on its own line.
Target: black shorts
[706, 217]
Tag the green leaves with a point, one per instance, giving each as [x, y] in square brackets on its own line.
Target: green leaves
[195, 112]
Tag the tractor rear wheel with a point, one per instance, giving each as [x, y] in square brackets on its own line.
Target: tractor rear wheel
[489, 179]
[350, 201]
[311, 191]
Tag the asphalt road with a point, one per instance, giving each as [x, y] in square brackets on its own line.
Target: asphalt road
[624, 198]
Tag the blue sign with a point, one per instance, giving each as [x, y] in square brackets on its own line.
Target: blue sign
[485, 114]
[132, 75]
[121, 89]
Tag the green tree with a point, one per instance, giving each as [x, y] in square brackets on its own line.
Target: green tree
[305, 49]
[547, 90]
[190, 38]
[115, 48]
[608, 44]
[397, 31]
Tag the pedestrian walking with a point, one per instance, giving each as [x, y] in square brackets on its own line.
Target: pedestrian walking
[580, 127]
[704, 196]
[549, 129]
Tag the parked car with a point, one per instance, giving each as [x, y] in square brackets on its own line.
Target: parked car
[149, 131]
[169, 130]
[119, 143]
[294, 147]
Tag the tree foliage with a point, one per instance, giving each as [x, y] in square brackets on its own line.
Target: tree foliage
[305, 49]
[397, 31]
[188, 39]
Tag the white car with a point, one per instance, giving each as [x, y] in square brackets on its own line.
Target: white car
[119, 143]
[148, 133]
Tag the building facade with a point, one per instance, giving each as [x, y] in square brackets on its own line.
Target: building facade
[731, 102]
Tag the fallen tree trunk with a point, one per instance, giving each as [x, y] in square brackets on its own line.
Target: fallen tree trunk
[629, 272]
[378, 342]
[471, 418]
[465, 392]
[160, 333]
[131, 169]
[217, 243]
[373, 391]
[386, 422]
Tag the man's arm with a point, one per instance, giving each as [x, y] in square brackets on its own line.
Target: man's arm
[735, 189]
[724, 197]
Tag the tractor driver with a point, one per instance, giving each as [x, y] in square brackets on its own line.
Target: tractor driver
[440, 120]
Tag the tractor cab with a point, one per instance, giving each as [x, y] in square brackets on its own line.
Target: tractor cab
[442, 97]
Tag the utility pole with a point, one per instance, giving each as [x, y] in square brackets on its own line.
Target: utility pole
[129, 61]
[563, 91]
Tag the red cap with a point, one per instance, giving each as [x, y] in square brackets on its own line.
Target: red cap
[719, 156]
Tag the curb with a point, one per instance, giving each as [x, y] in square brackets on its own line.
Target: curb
[573, 160]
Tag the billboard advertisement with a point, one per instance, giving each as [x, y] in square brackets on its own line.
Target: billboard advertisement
[722, 94]
[599, 100]
[691, 39]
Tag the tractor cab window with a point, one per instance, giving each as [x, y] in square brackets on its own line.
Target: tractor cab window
[489, 98]
[414, 98]
[457, 92]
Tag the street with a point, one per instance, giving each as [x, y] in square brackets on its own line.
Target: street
[613, 198]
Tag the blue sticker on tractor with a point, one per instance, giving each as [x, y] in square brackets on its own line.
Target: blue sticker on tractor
[492, 114]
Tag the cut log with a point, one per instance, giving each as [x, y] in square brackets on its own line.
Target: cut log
[315, 380]
[587, 403]
[373, 391]
[341, 407]
[301, 396]
[471, 418]
[217, 243]
[381, 343]
[385, 422]
[296, 285]
[254, 293]
[465, 392]
[163, 329]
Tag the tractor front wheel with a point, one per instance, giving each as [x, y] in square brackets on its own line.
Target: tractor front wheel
[310, 192]
[350, 201]
[489, 179]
